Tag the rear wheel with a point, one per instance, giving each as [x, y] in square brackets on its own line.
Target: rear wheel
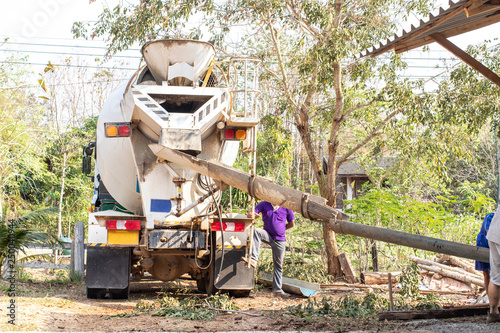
[210, 278]
[201, 284]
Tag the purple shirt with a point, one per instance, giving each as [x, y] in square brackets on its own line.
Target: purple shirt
[274, 220]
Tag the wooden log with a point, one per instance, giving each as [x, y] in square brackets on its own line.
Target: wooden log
[461, 263]
[445, 267]
[453, 275]
[435, 314]
[346, 266]
[442, 257]
[378, 277]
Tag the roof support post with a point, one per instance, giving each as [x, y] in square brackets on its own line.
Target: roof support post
[465, 57]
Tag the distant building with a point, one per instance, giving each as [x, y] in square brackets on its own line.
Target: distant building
[351, 177]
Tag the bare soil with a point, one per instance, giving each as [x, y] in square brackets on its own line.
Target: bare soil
[63, 306]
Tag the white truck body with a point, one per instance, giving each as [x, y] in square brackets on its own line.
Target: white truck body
[183, 101]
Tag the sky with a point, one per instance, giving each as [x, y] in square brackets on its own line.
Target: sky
[41, 29]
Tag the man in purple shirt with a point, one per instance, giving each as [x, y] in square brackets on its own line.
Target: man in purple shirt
[276, 220]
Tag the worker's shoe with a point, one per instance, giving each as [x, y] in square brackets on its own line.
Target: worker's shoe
[252, 262]
[281, 294]
[493, 318]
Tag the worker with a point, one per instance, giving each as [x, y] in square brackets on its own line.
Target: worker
[276, 221]
[493, 237]
[483, 242]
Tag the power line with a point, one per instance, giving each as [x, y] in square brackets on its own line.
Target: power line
[66, 53]
[66, 65]
[62, 84]
[58, 45]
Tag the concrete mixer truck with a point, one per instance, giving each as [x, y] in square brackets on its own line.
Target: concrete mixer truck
[166, 142]
[151, 215]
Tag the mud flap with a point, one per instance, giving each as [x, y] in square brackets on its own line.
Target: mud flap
[108, 267]
[234, 275]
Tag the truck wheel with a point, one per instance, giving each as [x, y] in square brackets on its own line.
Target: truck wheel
[201, 284]
[210, 279]
[96, 293]
[210, 282]
[239, 293]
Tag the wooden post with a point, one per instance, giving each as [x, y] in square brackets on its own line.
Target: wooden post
[374, 255]
[345, 263]
[391, 302]
[78, 251]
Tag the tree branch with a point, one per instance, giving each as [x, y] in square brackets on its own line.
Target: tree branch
[303, 24]
[373, 134]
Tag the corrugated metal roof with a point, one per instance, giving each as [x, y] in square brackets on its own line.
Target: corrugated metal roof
[353, 169]
[448, 22]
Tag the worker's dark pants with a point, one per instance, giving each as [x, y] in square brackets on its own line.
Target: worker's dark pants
[278, 248]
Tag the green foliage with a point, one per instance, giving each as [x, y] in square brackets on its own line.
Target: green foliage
[468, 97]
[410, 282]
[16, 235]
[361, 307]
[274, 143]
[436, 216]
[192, 308]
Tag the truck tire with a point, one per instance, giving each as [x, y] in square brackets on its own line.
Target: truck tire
[210, 281]
[210, 278]
[201, 284]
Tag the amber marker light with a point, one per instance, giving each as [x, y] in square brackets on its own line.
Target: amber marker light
[241, 134]
[112, 131]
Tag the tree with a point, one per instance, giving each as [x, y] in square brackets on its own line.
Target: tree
[307, 49]
[16, 235]
[20, 138]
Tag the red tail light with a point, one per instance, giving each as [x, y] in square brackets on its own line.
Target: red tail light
[229, 226]
[123, 224]
[236, 134]
[117, 130]
[229, 133]
[124, 130]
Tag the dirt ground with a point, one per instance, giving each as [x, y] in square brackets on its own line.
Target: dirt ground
[55, 306]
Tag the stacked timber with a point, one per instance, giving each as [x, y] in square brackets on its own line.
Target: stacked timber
[458, 270]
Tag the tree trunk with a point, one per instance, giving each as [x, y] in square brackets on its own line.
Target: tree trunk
[59, 216]
[332, 251]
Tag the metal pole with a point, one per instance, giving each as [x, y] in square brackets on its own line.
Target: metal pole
[411, 240]
[313, 206]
